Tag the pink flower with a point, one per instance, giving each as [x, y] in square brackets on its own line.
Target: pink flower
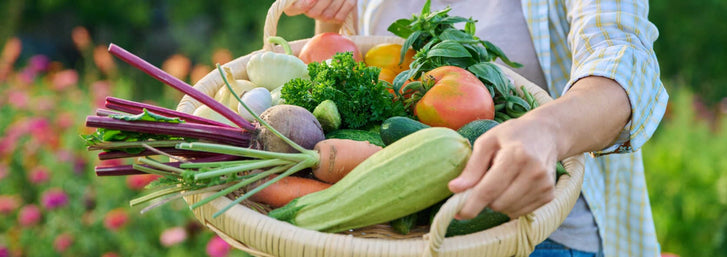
[217, 247]
[44, 104]
[101, 89]
[64, 155]
[54, 198]
[29, 215]
[103, 59]
[38, 63]
[65, 120]
[8, 203]
[115, 219]
[65, 79]
[177, 65]
[18, 99]
[62, 242]
[172, 236]
[4, 252]
[138, 182]
[222, 56]
[38, 175]
[198, 72]
[11, 50]
[27, 76]
[81, 37]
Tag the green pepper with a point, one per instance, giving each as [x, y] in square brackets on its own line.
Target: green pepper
[271, 70]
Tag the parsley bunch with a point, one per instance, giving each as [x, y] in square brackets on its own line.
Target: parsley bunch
[359, 95]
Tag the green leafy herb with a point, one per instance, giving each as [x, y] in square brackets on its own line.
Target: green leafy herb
[438, 43]
[146, 115]
[359, 95]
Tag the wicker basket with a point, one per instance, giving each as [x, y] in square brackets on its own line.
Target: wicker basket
[254, 232]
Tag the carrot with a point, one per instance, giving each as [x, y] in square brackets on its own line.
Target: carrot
[288, 188]
[339, 156]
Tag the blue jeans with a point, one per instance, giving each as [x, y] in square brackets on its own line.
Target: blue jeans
[550, 248]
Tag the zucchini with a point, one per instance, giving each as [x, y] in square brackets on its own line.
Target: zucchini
[403, 178]
[356, 134]
[395, 128]
[476, 128]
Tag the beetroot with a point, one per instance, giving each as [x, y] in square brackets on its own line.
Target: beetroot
[295, 123]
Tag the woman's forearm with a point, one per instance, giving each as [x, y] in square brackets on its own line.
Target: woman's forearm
[588, 117]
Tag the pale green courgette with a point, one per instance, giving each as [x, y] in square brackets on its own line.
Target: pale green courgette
[403, 178]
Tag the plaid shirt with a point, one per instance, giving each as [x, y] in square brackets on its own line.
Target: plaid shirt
[610, 38]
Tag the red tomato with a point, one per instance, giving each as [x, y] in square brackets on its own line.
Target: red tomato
[456, 99]
[323, 46]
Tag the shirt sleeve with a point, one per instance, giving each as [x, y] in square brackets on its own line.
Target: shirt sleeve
[614, 39]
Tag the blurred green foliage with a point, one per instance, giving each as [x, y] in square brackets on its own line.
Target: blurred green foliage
[685, 171]
[691, 44]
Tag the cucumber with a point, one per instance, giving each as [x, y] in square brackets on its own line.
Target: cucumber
[358, 135]
[476, 128]
[403, 178]
[485, 220]
[395, 128]
[404, 224]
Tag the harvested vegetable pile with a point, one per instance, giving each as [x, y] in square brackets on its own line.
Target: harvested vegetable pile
[332, 144]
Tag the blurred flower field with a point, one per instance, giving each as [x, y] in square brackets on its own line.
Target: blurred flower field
[52, 203]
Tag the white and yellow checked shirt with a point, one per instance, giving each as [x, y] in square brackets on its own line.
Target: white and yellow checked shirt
[578, 38]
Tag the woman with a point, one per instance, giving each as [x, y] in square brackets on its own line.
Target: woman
[596, 59]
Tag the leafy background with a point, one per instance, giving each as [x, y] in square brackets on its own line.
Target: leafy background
[54, 71]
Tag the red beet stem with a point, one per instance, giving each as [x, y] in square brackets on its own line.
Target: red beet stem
[123, 170]
[168, 150]
[132, 107]
[233, 136]
[174, 82]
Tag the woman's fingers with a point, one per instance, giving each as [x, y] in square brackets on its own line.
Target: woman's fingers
[497, 179]
[324, 10]
[345, 10]
[330, 12]
[300, 7]
[483, 151]
[532, 188]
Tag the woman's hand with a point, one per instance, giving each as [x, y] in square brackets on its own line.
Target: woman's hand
[511, 170]
[512, 167]
[330, 11]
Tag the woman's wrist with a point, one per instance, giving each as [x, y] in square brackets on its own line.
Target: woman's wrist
[587, 118]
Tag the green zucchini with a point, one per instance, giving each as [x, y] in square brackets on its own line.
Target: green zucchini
[403, 178]
[395, 128]
[476, 128]
[356, 134]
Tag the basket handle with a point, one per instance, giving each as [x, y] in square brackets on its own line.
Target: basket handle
[271, 22]
[435, 237]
